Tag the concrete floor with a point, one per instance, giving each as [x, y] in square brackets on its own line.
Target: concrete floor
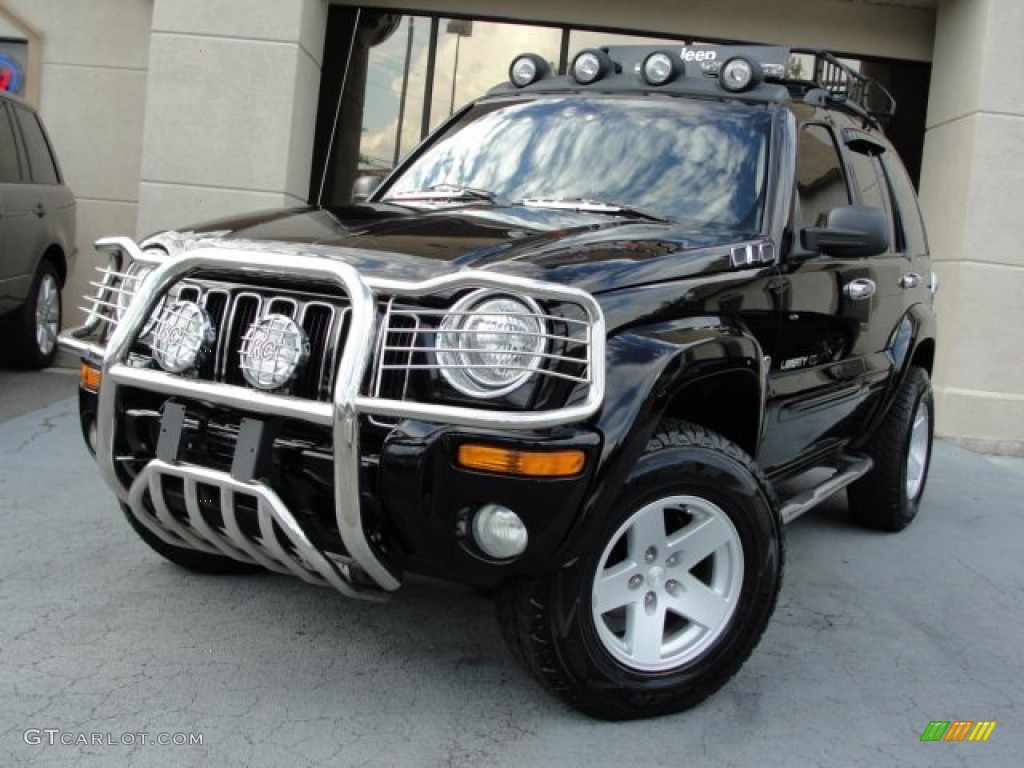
[875, 635]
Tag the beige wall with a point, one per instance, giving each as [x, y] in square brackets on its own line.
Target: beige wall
[972, 188]
[92, 87]
[231, 108]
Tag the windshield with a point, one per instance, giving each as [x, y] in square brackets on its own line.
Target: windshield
[674, 159]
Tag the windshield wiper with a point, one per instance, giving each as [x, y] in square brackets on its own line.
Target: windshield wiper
[445, 192]
[591, 206]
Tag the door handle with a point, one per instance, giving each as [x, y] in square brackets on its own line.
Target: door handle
[860, 289]
[40, 210]
[910, 280]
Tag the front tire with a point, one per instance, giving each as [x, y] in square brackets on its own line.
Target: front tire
[671, 598]
[888, 497]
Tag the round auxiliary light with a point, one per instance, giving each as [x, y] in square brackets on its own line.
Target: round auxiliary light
[490, 344]
[739, 74]
[182, 333]
[661, 67]
[527, 69]
[272, 350]
[499, 532]
[591, 65]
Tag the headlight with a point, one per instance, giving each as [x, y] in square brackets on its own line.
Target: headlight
[134, 276]
[183, 333]
[489, 345]
[272, 350]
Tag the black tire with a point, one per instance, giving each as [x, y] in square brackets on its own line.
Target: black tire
[28, 350]
[885, 499]
[553, 626]
[190, 559]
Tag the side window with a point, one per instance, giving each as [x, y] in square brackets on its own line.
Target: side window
[820, 182]
[908, 214]
[871, 186]
[36, 147]
[8, 149]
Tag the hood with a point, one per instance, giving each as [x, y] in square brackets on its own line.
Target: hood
[595, 252]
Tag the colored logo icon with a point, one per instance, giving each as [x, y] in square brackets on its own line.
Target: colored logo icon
[958, 730]
[10, 74]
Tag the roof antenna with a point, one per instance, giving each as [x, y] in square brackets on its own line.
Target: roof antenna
[337, 110]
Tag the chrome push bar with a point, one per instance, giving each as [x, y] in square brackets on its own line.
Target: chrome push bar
[348, 402]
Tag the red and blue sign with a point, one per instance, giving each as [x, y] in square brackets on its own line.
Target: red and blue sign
[10, 74]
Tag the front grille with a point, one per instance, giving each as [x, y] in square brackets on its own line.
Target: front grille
[233, 310]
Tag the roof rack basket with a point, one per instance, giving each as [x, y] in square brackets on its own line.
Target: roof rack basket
[845, 84]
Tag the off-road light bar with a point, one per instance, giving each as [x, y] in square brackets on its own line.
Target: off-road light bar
[528, 68]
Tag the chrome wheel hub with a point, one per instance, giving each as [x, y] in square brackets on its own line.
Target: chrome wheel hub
[667, 584]
[47, 314]
[918, 450]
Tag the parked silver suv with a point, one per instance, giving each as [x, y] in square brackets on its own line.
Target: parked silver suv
[37, 237]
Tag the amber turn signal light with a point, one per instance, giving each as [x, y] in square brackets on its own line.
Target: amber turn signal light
[489, 458]
[90, 377]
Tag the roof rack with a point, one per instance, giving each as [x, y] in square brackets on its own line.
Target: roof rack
[845, 85]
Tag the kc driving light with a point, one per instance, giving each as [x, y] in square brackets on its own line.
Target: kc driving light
[591, 65]
[739, 74]
[490, 344]
[527, 69]
[661, 67]
[272, 350]
[182, 333]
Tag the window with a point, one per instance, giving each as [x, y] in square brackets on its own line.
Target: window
[473, 56]
[870, 183]
[697, 162]
[908, 215]
[867, 180]
[820, 183]
[8, 149]
[40, 160]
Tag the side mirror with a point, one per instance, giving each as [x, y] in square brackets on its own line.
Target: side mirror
[364, 187]
[852, 231]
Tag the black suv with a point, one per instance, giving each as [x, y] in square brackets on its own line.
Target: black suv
[37, 236]
[568, 353]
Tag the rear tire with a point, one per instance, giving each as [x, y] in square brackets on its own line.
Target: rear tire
[35, 326]
[888, 497]
[190, 559]
[672, 596]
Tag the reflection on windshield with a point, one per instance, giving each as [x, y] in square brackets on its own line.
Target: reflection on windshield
[681, 160]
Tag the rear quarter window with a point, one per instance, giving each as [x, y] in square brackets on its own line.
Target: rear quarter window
[40, 159]
[9, 171]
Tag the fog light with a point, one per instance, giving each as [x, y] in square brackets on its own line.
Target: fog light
[499, 532]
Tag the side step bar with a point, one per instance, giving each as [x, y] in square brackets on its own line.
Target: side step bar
[848, 469]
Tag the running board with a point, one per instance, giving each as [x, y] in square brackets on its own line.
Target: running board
[848, 469]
